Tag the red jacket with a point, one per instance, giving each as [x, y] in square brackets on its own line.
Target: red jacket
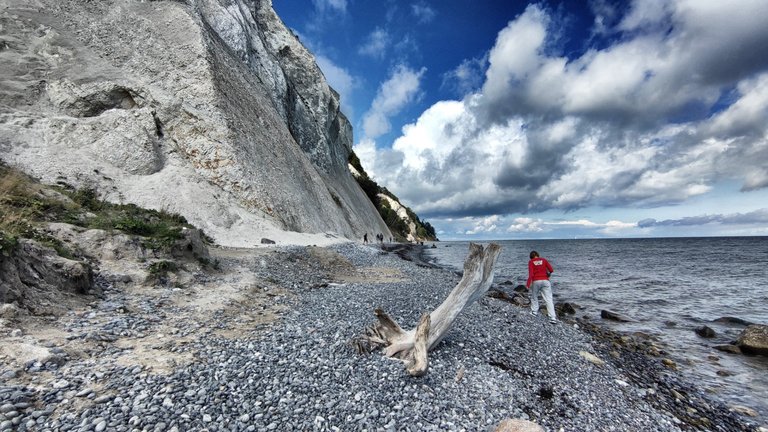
[538, 269]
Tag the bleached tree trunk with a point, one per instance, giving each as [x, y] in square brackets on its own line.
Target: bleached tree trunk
[412, 346]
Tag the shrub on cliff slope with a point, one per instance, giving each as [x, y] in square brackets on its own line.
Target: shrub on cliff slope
[399, 226]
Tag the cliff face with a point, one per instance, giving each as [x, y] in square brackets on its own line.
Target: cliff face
[208, 108]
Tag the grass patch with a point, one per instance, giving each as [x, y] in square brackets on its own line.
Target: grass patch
[25, 205]
[160, 269]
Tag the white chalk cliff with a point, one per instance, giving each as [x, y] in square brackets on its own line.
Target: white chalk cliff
[208, 108]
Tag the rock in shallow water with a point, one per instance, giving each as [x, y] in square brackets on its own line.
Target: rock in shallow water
[705, 332]
[754, 340]
[613, 316]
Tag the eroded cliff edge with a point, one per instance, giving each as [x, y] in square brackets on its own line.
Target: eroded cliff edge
[208, 108]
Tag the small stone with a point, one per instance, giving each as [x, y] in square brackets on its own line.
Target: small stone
[9, 374]
[207, 418]
[103, 399]
[245, 418]
[669, 363]
[61, 384]
[592, 358]
[744, 410]
[84, 392]
[518, 425]
[101, 426]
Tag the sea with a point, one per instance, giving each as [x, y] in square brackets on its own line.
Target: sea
[668, 287]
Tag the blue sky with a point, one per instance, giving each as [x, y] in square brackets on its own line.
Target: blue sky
[572, 119]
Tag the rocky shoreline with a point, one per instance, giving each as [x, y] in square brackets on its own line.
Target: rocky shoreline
[263, 343]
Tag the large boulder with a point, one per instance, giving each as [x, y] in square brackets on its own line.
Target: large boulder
[191, 246]
[754, 340]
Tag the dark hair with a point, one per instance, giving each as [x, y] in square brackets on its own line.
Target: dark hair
[534, 254]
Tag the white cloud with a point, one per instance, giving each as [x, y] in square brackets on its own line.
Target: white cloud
[423, 12]
[366, 152]
[516, 53]
[524, 224]
[401, 88]
[501, 226]
[376, 44]
[466, 77]
[484, 225]
[646, 13]
[611, 228]
[627, 125]
[336, 5]
[605, 14]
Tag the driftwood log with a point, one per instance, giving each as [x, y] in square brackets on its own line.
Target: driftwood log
[412, 346]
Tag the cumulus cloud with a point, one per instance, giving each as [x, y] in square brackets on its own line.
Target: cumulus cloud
[524, 224]
[487, 224]
[673, 103]
[401, 88]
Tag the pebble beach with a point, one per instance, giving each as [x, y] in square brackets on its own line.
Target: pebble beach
[281, 358]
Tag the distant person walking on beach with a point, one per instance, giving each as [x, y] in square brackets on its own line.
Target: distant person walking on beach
[539, 270]
[365, 238]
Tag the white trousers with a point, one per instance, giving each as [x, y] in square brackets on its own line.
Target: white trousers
[545, 288]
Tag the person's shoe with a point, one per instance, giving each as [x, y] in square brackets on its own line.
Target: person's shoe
[553, 321]
[533, 314]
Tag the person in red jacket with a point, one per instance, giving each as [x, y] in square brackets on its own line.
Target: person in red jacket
[539, 270]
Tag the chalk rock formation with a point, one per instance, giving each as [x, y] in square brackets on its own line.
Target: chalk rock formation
[208, 108]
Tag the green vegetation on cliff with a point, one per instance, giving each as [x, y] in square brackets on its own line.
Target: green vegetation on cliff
[25, 205]
[399, 227]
